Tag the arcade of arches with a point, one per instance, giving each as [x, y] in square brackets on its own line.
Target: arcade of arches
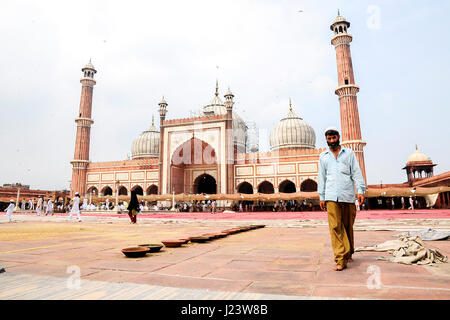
[286, 186]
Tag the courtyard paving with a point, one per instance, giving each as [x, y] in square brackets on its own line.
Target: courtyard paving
[290, 258]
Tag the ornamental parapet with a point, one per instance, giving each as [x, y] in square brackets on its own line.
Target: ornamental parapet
[79, 164]
[279, 153]
[346, 90]
[125, 163]
[84, 122]
[88, 82]
[356, 145]
[341, 39]
[194, 119]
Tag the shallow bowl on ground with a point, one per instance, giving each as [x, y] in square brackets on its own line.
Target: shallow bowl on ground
[153, 247]
[221, 234]
[186, 240]
[172, 243]
[135, 252]
[232, 231]
[211, 236]
[199, 239]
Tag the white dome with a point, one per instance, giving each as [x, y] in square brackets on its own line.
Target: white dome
[217, 107]
[146, 144]
[418, 156]
[292, 132]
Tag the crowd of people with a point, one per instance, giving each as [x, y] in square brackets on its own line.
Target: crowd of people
[47, 206]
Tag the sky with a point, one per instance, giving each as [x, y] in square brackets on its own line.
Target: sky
[265, 51]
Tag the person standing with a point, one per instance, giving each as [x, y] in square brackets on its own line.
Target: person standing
[10, 209]
[357, 205]
[339, 172]
[107, 204]
[411, 203]
[49, 209]
[403, 202]
[30, 204]
[23, 204]
[39, 206]
[133, 207]
[213, 207]
[75, 207]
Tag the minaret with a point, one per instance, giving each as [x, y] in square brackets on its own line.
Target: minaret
[230, 148]
[162, 116]
[347, 90]
[81, 156]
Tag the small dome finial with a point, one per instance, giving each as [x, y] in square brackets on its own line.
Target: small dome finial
[153, 120]
[290, 104]
[416, 147]
[338, 13]
[217, 87]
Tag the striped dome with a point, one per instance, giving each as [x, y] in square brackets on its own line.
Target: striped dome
[292, 132]
[146, 144]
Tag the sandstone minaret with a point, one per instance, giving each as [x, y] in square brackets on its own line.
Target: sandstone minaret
[81, 156]
[230, 148]
[347, 90]
[162, 116]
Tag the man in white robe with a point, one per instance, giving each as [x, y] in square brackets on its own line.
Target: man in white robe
[49, 209]
[39, 206]
[10, 209]
[75, 207]
[85, 204]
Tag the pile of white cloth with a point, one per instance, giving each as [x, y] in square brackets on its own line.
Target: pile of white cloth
[407, 250]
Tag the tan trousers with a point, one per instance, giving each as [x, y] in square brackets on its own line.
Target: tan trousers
[341, 217]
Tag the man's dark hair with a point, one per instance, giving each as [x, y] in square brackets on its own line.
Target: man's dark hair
[331, 133]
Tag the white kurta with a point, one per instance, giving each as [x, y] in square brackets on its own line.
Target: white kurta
[75, 208]
[49, 207]
[9, 211]
[38, 206]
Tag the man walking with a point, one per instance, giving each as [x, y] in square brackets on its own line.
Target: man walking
[39, 206]
[339, 172]
[10, 209]
[75, 207]
[49, 209]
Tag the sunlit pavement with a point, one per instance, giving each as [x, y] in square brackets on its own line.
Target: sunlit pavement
[290, 258]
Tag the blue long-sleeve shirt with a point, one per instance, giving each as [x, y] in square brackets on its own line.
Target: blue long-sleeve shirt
[338, 177]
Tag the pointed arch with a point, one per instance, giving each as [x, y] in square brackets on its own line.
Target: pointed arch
[266, 187]
[245, 187]
[308, 185]
[287, 186]
[107, 191]
[153, 189]
[138, 189]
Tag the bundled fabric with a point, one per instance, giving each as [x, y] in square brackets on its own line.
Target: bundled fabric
[429, 234]
[407, 250]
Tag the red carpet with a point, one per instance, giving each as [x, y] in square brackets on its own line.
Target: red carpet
[370, 214]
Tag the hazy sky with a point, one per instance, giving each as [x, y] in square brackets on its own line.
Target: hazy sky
[266, 52]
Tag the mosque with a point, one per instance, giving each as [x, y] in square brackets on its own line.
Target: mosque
[210, 153]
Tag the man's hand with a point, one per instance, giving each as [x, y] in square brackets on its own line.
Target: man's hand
[322, 205]
[361, 199]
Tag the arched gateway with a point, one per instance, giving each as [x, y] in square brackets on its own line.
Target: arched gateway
[187, 160]
[205, 183]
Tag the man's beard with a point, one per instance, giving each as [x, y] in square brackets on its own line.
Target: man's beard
[333, 145]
